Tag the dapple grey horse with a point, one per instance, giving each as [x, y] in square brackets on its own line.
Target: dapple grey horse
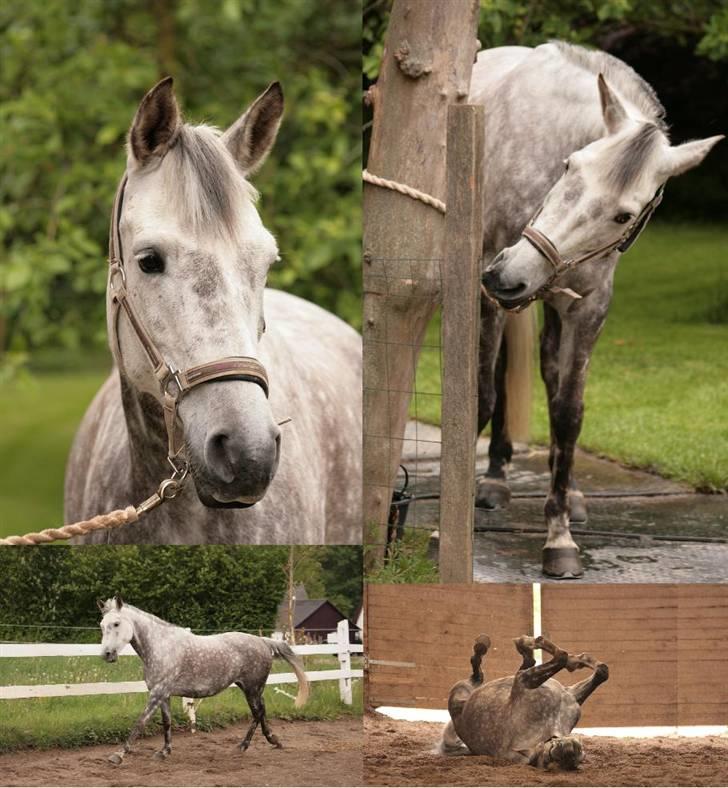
[177, 662]
[526, 718]
[196, 256]
[576, 148]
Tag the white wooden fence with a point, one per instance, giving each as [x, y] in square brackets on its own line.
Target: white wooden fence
[342, 648]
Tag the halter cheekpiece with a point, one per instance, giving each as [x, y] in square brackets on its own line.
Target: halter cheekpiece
[174, 383]
[542, 243]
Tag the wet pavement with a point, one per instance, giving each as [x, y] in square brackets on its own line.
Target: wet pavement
[641, 527]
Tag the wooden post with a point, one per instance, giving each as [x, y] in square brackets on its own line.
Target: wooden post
[342, 638]
[460, 336]
[426, 65]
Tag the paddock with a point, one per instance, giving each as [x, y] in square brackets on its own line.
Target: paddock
[314, 753]
[660, 719]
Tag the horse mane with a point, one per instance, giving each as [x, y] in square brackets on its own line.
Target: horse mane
[621, 76]
[110, 605]
[204, 180]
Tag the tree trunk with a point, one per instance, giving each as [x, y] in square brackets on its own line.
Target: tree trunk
[426, 66]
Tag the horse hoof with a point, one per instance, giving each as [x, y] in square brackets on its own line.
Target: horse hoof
[116, 758]
[243, 746]
[562, 563]
[492, 494]
[160, 755]
[577, 507]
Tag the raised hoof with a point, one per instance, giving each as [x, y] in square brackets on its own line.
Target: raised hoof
[492, 494]
[567, 753]
[116, 758]
[577, 507]
[562, 563]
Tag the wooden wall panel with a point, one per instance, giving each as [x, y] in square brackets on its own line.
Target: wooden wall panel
[633, 628]
[433, 628]
[702, 628]
[666, 645]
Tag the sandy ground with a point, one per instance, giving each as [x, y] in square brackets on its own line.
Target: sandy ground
[401, 753]
[315, 753]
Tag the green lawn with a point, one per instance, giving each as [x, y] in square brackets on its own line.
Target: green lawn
[75, 721]
[657, 395]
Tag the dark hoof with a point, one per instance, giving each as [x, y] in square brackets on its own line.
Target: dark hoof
[577, 507]
[116, 758]
[243, 746]
[567, 753]
[492, 494]
[562, 562]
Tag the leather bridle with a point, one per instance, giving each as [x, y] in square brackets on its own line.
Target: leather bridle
[174, 383]
[561, 265]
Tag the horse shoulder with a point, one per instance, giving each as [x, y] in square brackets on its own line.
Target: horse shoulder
[96, 465]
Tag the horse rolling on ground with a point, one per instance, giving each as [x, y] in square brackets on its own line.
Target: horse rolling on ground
[526, 718]
[576, 152]
[176, 662]
[190, 256]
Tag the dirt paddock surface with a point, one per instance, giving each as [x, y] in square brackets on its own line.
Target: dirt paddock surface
[314, 753]
[401, 753]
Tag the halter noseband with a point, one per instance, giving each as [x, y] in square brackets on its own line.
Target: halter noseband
[174, 383]
[542, 243]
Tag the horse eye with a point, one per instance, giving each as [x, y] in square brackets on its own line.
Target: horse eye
[116, 623]
[566, 165]
[622, 218]
[151, 263]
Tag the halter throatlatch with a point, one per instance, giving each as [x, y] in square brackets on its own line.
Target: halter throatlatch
[543, 244]
[174, 383]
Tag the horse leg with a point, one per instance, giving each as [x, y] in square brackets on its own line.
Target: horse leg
[155, 700]
[535, 675]
[267, 732]
[450, 742]
[249, 696]
[167, 725]
[493, 492]
[566, 410]
[549, 356]
[583, 689]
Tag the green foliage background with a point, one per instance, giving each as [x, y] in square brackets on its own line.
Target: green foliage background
[210, 587]
[73, 73]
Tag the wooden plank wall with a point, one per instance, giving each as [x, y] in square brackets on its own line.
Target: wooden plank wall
[666, 645]
[633, 628]
[432, 628]
[702, 629]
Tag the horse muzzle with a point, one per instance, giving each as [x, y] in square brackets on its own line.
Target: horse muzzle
[110, 656]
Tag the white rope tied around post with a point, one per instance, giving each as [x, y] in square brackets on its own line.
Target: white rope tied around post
[408, 191]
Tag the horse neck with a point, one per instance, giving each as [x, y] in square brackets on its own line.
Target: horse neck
[148, 636]
[147, 436]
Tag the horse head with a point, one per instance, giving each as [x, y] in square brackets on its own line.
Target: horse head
[195, 257]
[599, 205]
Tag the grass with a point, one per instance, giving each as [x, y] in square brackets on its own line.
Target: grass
[40, 414]
[657, 394]
[75, 721]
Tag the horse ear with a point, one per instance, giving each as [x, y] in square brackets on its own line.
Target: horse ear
[156, 123]
[684, 157]
[100, 604]
[613, 110]
[119, 601]
[251, 137]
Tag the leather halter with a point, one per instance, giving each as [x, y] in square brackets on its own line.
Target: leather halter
[561, 264]
[174, 383]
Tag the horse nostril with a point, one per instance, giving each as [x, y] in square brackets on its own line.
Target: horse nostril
[221, 457]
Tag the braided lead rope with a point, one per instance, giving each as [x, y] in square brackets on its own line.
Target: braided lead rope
[101, 522]
[408, 191]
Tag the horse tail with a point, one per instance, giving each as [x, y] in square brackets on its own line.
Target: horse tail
[520, 336]
[281, 649]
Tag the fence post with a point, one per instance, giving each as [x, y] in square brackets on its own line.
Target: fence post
[460, 337]
[342, 638]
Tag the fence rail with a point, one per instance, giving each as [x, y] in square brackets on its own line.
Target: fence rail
[341, 648]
